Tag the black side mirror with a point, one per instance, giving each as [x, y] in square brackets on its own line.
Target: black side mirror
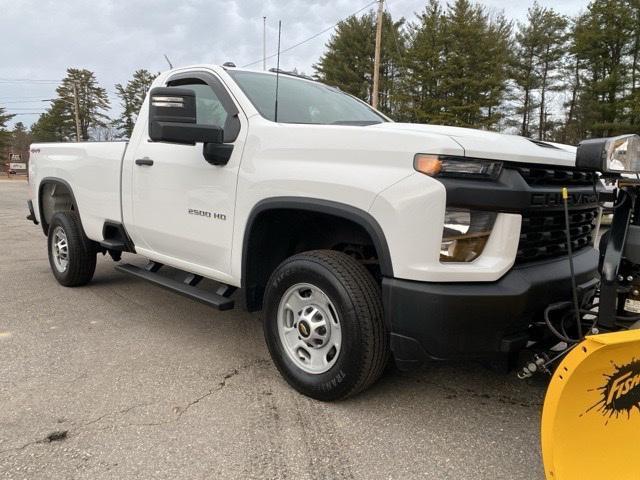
[172, 118]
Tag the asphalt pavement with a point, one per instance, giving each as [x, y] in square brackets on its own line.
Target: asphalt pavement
[123, 380]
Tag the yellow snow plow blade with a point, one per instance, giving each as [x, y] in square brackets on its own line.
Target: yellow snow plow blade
[591, 413]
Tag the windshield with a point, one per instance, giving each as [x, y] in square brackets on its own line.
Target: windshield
[302, 101]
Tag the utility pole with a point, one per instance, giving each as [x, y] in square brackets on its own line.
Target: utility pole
[376, 58]
[264, 43]
[76, 108]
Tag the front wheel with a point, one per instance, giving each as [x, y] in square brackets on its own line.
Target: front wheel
[72, 255]
[324, 324]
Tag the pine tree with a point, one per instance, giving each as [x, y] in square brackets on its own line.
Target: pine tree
[572, 131]
[5, 135]
[457, 66]
[132, 96]
[348, 61]
[474, 70]
[20, 138]
[500, 53]
[55, 125]
[634, 95]
[540, 46]
[421, 96]
[524, 72]
[552, 48]
[603, 39]
[92, 100]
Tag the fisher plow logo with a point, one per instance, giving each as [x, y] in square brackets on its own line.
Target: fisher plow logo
[621, 392]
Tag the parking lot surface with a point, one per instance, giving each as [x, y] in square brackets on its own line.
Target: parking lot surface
[121, 379]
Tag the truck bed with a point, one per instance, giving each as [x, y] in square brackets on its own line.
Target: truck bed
[94, 171]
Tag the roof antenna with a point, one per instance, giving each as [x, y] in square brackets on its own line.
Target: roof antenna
[168, 61]
[278, 71]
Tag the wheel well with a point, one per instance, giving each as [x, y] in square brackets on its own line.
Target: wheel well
[54, 196]
[276, 234]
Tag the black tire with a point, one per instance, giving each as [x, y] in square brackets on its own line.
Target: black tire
[364, 350]
[81, 257]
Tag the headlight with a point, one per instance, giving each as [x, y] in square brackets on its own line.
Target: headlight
[461, 167]
[610, 155]
[465, 234]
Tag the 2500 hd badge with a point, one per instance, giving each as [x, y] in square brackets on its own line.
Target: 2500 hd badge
[204, 213]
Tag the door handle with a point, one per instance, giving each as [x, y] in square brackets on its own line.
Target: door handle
[144, 161]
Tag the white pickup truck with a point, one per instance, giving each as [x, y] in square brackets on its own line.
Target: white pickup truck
[360, 238]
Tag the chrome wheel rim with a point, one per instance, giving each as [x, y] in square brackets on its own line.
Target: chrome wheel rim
[60, 249]
[309, 328]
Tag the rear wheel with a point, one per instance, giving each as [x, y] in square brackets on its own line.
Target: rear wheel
[72, 255]
[324, 324]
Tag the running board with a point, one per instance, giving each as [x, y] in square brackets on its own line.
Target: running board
[186, 288]
[113, 244]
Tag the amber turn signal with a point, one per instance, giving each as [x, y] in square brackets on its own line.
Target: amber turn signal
[428, 164]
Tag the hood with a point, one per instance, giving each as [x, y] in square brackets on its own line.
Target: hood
[495, 146]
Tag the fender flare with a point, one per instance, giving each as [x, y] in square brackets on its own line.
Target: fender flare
[317, 205]
[58, 181]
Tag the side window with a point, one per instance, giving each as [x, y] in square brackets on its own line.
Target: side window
[209, 108]
[213, 104]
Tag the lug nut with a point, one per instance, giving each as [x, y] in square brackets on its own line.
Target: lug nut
[630, 278]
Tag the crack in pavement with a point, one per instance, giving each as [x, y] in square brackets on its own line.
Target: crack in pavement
[119, 412]
[55, 436]
[179, 412]
[223, 383]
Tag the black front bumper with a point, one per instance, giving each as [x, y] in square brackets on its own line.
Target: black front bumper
[476, 319]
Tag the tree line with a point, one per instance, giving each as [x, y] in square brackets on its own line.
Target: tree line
[549, 76]
[80, 89]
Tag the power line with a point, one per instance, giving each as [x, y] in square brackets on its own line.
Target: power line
[5, 102]
[37, 99]
[22, 108]
[29, 80]
[21, 98]
[313, 36]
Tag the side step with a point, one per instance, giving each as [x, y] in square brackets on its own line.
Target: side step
[186, 288]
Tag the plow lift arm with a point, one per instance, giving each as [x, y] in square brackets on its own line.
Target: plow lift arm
[590, 425]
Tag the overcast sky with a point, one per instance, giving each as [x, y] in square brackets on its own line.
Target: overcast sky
[41, 38]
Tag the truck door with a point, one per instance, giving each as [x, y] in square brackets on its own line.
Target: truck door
[182, 206]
